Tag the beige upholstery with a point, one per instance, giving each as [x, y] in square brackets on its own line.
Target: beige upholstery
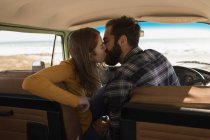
[62, 15]
[11, 81]
[155, 131]
[161, 19]
[184, 96]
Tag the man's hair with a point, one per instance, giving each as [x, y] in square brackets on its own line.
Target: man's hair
[125, 26]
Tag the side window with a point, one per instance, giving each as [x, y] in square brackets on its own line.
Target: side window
[18, 50]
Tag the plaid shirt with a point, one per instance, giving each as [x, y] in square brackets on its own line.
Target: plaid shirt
[140, 67]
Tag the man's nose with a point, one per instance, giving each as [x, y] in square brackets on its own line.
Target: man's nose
[105, 47]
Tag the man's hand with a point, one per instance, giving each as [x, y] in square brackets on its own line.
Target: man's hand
[83, 104]
[101, 126]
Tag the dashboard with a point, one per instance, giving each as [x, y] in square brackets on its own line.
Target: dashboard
[192, 76]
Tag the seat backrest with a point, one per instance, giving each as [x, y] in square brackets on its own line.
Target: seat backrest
[11, 84]
[11, 81]
[70, 120]
[71, 123]
[190, 96]
[167, 113]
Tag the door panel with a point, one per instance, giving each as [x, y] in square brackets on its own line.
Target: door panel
[141, 121]
[32, 118]
[14, 125]
[25, 114]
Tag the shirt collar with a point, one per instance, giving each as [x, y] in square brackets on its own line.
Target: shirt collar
[132, 52]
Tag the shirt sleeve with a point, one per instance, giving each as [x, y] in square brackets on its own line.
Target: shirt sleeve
[117, 93]
[43, 84]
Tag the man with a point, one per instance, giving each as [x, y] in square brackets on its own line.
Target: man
[138, 67]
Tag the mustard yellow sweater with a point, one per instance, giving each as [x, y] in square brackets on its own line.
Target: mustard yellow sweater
[43, 85]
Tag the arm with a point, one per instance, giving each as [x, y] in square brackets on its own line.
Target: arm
[117, 93]
[43, 84]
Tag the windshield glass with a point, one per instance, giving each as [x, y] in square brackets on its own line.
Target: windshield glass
[183, 44]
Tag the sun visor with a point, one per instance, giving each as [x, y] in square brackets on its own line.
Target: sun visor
[160, 19]
[173, 19]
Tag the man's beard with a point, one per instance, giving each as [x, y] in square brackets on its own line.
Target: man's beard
[113, 56]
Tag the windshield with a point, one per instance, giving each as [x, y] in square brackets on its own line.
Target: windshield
[183, 44]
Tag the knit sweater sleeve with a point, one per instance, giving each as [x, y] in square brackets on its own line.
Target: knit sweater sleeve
[43, 84]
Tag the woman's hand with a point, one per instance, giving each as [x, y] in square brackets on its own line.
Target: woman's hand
[83, 104]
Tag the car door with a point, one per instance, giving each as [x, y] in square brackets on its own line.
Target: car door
[22, 115]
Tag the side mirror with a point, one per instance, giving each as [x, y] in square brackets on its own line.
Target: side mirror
[142, 33]
[37, 65]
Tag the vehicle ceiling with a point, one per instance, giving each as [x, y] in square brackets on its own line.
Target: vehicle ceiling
[67, 14]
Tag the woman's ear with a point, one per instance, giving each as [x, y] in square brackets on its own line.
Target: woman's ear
[91, 56]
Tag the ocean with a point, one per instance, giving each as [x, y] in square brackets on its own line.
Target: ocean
[17, 48]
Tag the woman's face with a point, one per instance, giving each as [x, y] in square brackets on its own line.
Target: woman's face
[99, 51]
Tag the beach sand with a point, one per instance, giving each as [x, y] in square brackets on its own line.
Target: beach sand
[22, 62]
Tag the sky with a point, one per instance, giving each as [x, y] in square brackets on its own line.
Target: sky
[7, 36]
[158, 31]
[151, 31]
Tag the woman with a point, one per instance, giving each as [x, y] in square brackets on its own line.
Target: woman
[79, 73]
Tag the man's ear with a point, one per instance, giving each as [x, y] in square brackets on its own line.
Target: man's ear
[123, 40]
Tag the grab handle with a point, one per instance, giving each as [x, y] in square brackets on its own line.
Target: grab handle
[7, 113]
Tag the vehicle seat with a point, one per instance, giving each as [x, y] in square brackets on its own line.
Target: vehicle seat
[11, 84]
[70, 120]
[181, 112]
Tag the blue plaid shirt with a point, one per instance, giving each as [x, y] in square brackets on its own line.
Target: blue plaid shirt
[140, 67]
